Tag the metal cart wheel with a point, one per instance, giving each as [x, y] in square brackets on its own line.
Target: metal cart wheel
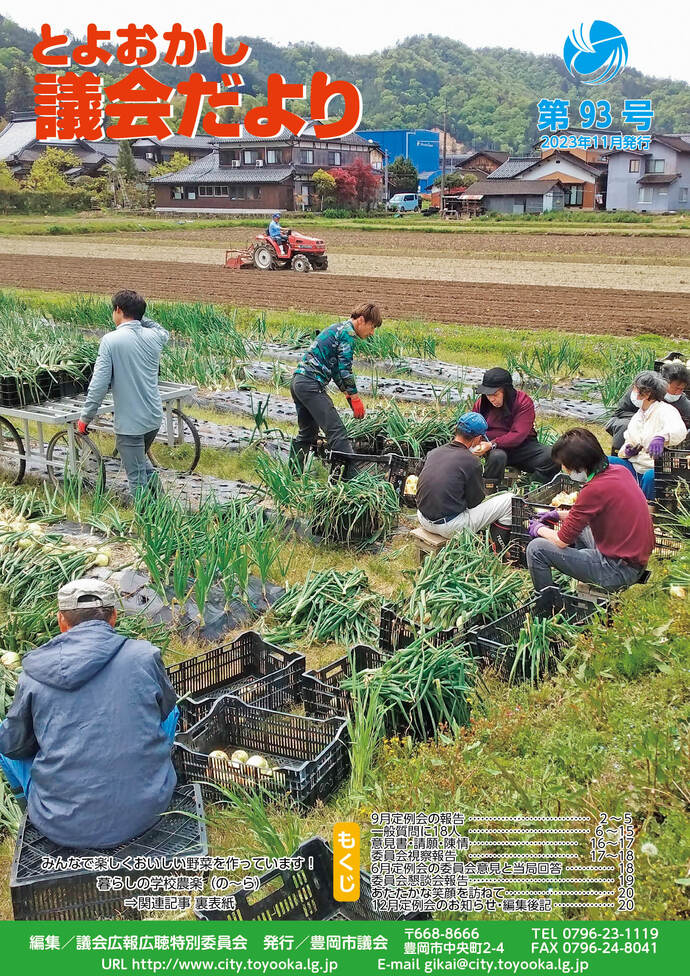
[89, 468]
[183, 456]
[12, 456]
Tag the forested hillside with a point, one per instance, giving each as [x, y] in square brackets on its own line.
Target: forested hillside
[490, 93]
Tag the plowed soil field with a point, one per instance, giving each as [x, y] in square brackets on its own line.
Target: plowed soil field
[597, 310]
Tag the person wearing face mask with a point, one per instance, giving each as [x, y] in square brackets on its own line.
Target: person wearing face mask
[607, 536]
[450, 492]
[678, 378]
[656, 424]
[510, 437]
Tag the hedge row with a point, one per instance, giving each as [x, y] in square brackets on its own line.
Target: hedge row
[43, 201]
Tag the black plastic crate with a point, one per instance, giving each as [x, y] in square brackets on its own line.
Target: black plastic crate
[43, 895]
[70, 386]
[658, 363]
[395, 468]
[309, 757]
[360, 445]
[15, 392]
[304, 895]
[257, 672]
[380, 464]
[396, 631]
[667, 545]
[672, 468]
[322, 694]
[525, 507]
[402, 468]
[496, 642]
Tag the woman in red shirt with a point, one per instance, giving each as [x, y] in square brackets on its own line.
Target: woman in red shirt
[607, 537]
[511, 437]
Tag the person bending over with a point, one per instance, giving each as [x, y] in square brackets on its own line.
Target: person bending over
[329, 358]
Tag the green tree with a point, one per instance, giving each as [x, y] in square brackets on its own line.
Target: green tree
[325, 187]
[7, 181]
[47, 173]
[402, 176]
[125, 162]
[174, 165]
[455, 179]
[20, 90]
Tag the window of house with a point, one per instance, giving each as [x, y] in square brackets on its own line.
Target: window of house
[272, 156]
[205, 191]
[237, 192]
[176, 193]
[634, 166]
[334, 159]
[683, 194]
[228, 156]
[306, 155]
[574, 196]
[220, 191]
[253, 192]
[645, 195]
[657, 166]
[251, 156]
[149, 155]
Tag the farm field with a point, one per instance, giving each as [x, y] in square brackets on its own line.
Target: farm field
[600, 310]
[449, 267]
[606, 731]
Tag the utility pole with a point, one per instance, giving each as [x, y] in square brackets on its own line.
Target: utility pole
[385, 174]
[443, 156]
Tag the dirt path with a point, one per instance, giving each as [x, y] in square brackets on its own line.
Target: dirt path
[364, 241]
[444, 268]
[570, 309]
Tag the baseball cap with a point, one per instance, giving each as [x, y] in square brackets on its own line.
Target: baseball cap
[472, 424]
[277, 213]
[494, 379]
[84, 594]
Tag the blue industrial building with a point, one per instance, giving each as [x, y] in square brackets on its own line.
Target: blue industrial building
[420, 146]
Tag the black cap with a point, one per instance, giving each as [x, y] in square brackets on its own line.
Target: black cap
[494, 380]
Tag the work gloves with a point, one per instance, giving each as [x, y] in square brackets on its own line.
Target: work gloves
[81, 427]
[356, 406]
[549, 519]
[630, 451]
[656, 446]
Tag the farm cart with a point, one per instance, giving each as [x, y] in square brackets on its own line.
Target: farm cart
[300, 253]
[177, 445]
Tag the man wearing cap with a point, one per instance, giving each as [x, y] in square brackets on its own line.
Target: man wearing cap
[275, 231]
[87, 740]
[510, 437]
[450, 491]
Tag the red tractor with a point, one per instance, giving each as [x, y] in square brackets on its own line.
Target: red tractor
[299, 253]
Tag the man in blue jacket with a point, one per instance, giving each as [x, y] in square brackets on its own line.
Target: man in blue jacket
[88, 737]
[128, 363]
[275, 231]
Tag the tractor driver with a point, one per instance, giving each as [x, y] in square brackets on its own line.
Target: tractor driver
[275, 231]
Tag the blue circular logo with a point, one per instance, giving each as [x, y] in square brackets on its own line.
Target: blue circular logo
[600, 56]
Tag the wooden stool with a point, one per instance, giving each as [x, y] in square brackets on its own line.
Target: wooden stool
[427, 543]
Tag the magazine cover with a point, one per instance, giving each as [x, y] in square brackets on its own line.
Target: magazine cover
[344, 488]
